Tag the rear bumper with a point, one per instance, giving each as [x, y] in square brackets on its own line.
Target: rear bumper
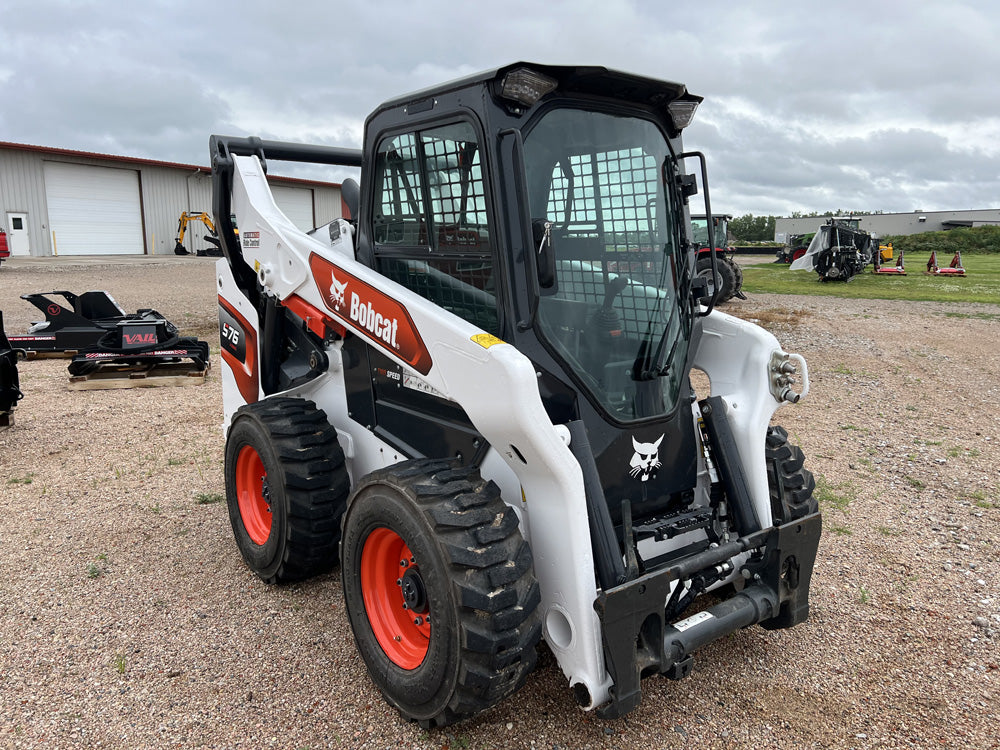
[638, 641]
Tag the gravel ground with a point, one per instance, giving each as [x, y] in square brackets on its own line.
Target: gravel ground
[127, 618]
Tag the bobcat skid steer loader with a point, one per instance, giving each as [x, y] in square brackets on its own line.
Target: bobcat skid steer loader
[474, 394]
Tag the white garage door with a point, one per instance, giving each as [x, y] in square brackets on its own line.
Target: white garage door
[94, 210]
[296, 204]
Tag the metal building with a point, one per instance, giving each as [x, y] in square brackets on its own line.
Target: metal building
[882, 225]
[56, 201]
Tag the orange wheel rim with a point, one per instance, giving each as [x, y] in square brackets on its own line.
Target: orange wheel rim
[395, 598]
[253, 495]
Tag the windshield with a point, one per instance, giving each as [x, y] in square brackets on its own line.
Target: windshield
[699, 231]
[614, 314]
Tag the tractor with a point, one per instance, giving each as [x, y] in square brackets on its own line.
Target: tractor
[472, 395]
[723, 269]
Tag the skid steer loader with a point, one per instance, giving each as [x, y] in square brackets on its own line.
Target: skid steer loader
[474, 394]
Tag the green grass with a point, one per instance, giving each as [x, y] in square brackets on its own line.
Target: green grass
[834, 496]
[981, 284]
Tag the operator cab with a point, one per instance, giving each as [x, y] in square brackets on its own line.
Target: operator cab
[590, 275]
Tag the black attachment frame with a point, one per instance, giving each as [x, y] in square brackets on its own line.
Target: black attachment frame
[639, 642]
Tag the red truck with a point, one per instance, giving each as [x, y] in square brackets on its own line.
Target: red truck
[4, 248]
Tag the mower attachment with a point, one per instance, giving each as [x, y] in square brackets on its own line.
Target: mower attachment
[141, 341]
[65, 331]
[955, 268]
[896, 270]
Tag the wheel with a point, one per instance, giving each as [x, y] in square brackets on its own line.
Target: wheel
[725, 277]
[823, 263]
[286, 487]
[737, 279]
[791, 487]
[790, 484]
[440, 590]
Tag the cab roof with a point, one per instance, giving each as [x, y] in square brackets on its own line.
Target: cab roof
[572, 79]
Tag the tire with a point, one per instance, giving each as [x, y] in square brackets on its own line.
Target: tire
[791, 485]
[823, 263]
[440, 590]
[737, 279]
[286, 487]
[725, 278]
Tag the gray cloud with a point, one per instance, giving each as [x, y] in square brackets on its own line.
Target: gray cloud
[888, 106]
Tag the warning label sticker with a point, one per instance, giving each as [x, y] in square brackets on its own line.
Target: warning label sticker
[693, 620]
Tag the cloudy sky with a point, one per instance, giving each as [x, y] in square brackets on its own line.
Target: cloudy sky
[809, 106]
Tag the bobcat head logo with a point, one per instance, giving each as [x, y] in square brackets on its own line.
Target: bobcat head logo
[337, 292]
[646, 460]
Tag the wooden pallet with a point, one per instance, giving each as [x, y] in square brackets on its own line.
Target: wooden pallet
[110, 375]
[64, 354]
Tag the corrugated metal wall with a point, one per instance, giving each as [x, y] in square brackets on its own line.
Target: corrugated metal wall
[22, 189]
[327, 205]
[886, 224]
[166, 192]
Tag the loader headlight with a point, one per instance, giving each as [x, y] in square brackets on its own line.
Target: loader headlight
[526, 86]
[682, 112]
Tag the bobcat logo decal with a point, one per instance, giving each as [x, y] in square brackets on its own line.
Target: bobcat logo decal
[646, 459]
[337, 292]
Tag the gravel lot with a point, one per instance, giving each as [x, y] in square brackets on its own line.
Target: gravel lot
[127, 618]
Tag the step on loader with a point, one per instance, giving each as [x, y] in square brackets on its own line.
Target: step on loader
[474, 395]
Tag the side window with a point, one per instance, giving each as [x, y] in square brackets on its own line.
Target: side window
[399, 212]
[431, 226]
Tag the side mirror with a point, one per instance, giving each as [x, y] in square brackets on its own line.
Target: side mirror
[701, 290]
[545, 257]
[688, 184]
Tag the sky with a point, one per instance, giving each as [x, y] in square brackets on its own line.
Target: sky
[881, 105]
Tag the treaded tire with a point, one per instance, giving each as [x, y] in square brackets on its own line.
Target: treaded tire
[737, 277]
[469, 573]
[725, 277]
[823, 263]
[791, 485]
[286, 487]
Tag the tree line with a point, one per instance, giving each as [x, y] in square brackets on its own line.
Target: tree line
[750, 228]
